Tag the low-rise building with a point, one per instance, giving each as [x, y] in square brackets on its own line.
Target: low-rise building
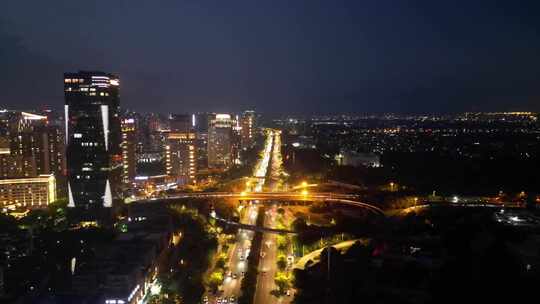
[356, 159]
[31, 192]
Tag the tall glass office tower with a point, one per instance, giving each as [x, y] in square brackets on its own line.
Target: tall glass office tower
[93, 138]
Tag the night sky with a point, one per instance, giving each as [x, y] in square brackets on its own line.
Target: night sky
[275, 56]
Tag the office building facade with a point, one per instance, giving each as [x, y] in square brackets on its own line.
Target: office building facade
[32, 192]
[129, 147]
[30, 146]
[200, 121]
[220, 140]
[180, 149]
[180, 156]
[44, 145]
[93, 138]
[247, 123]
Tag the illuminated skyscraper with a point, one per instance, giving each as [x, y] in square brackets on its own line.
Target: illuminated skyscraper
[31, 146]
[200, 121]
[44, 145]
[180, 149]
[151, 137]
[27, 153]
[220, 136]
[247, 122]
[236, 141]
[129, 146]
[93, 137]
[180, 156]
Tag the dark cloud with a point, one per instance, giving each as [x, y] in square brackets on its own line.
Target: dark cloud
[28, 79]
[278, 56]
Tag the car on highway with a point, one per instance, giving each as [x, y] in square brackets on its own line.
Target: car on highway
[222, 301]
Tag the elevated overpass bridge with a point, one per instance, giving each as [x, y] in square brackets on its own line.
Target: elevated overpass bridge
[254, 227]
[333, 198]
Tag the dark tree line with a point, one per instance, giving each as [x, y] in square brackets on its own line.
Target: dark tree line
[469, 260]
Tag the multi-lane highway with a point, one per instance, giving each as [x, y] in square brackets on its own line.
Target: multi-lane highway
[237, 257]
[238, 253]
[268, 262]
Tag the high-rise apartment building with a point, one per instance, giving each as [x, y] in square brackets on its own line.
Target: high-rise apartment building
[200, 121]
[247, 122]
[180, 149]
[150, 133]
[220, 133]
[93, 137]
[129, 146]
[180, 156]
[43, 144]
[236, 141]
[15, 166]
[30, 146]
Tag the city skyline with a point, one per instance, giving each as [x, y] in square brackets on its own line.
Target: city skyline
[269, 152]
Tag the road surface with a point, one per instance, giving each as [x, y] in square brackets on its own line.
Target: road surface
[237, 254]
[314, 255]
[267, 264]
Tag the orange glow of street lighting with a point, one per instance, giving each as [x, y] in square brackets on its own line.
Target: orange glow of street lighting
[304, 184]
[304, 192]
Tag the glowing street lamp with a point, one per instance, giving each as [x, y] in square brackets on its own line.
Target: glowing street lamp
[304, 192]
[304, 184]
[155, 288]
